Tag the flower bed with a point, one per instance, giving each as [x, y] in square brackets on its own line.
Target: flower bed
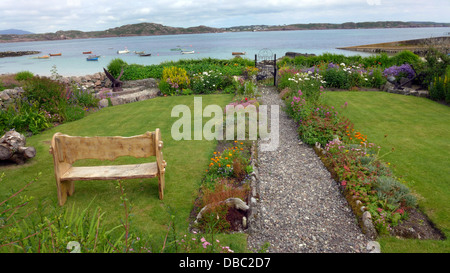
[355, 163]
[224, 193]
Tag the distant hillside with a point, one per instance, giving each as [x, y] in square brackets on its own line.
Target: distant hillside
[149, 29]
[142, 29]
[14, 31]
[348, 25]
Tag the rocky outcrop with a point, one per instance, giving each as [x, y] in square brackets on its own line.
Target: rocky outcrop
[17, 53]
[411, 91]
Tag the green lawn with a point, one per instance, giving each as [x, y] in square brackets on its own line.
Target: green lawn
[187, 161]
[419, 130]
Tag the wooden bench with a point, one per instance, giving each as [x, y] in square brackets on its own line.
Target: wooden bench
[67, 150]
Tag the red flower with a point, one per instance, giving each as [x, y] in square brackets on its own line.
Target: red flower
[246, 99]
[343, 183]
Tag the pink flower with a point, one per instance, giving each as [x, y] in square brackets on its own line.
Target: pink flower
[379, 209]
[343, 183]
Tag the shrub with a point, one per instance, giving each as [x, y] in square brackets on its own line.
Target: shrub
[405, 57]
[23, 75]
[24, 116]
[51, 95]
[402, 71]
[337, 78]
[440, 88]
[115, 66]
[208, 82]
[177, 79]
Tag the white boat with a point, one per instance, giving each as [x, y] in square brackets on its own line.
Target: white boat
[123, 51]
[188, 52]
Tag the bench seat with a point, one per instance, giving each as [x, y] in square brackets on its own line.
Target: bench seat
[66, 150]
[113, 172]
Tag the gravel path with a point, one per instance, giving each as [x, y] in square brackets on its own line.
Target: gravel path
[300, 208]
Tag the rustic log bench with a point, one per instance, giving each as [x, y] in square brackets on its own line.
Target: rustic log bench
[68, 149]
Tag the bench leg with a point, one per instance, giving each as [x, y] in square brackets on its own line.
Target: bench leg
[64, 189]
[161, 185]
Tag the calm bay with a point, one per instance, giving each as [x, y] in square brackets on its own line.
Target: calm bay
[72, 61]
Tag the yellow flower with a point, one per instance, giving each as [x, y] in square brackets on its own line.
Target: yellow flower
[228, 165]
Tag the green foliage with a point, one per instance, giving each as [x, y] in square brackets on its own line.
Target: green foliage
[115, 66]
[66, 229]
[23, 75]
[24, 116]
[436, 65]
[43, 102]
[337, 78]
[405, 57]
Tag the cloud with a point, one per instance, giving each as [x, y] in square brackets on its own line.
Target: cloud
[89, 15]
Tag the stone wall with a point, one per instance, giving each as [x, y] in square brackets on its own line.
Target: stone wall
[96, 81]
[8, 96]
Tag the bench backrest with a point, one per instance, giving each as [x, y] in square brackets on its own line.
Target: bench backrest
[72, 148]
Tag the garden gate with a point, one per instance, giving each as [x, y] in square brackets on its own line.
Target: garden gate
[266, 62]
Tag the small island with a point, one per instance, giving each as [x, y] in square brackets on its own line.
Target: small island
[4, 54]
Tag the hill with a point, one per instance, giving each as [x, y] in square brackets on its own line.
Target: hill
[14, 31]
[142, 29]
[149, 29]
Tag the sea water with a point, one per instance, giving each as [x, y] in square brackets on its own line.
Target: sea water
[73, 62]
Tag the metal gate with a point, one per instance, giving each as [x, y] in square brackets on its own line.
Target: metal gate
[266, 62]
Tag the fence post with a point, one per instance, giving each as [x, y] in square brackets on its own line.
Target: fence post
[275, 69]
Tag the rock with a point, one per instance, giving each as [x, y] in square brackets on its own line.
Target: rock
[369, 229]
[373, 247]
[4, 96]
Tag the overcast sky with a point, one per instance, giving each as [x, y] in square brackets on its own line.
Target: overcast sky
[40, 16]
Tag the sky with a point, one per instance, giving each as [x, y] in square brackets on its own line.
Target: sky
[41, 16]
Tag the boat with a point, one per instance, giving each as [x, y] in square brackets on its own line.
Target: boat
[92, 58]
[125, 51]
[40, 57]
[238, 53]
[188, 52]
[87, 52]
[145, 54]
[139, 52]
[55, 54]
[175, 49]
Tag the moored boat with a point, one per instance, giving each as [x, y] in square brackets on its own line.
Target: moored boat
[43, 57]
[125, 51]
[55, 54]
[188, 52]
[92, 58]
[87, 52]
[238, 53]
[145, 54]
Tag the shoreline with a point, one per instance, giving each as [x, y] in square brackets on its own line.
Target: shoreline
[68, 35]
[417, 46]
